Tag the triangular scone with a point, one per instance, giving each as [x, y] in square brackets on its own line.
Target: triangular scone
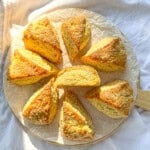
[27, 67]
[76, 35]
[108, 54]
[113, 99]
[78, 76]
[75, 122]
[41, 37]
[42, 106]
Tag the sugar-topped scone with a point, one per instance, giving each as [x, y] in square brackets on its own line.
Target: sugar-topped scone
[108, 54]
[42, 106]
[41, 37]
[27, 67]
[78, 76]
[113, 99]
[76, 34]
[75, 122]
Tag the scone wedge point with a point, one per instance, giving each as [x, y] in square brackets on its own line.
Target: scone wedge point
[113, 99]
[42, 106]
[108, 55]
[75, 122]
[80, 75]
[41, 37]
[76, 33]
[27, 67]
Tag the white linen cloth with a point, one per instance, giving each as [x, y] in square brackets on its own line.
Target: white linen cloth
[132, 17]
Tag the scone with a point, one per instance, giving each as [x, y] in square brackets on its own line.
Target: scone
[27, 67]
[113, 99]
[78, 76]
[108, 55]
[42, 106]
[41, 37]
[75, 122]
[76, 35]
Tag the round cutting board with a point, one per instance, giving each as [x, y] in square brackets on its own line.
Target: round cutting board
[17, 96]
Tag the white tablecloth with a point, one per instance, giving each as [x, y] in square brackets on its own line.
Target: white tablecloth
[133, 19]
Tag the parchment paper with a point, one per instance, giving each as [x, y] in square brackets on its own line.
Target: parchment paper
[18, 95]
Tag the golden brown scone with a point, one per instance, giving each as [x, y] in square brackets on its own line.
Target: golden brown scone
[113, 99]
[41, 37]
[27, 67]
[78, 76]
[75, 122]
[108, 54]
[42, 106]
[76, 34]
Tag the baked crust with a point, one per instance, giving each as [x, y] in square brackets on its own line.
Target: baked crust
[108, 54]
[113, 99]
[27, 67]
[78, 76]
[76, 34]
[41, 37]
[75, 122]
[42, 106]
